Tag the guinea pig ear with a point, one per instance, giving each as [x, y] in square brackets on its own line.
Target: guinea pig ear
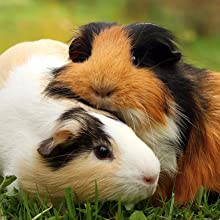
[162, 53]
[48, 146]
[152, 45]
[80, 48]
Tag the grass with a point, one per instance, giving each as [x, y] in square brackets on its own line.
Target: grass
[25, 20]
[20, 206]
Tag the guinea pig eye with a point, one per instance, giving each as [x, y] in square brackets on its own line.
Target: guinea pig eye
[134, 60]
[102, 152]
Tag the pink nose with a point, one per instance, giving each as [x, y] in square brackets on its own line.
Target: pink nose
[150, 179]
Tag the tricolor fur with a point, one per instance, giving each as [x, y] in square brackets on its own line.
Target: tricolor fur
[51, 144]
[136, 72]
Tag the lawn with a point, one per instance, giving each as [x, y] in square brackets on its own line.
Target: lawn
[25, 20]
[25, 208]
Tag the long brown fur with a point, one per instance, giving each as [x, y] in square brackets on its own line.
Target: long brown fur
[116, 47]
[137, 88]
[200, 166]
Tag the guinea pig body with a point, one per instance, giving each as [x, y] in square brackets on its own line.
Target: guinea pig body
[51, 143]
[136, 72]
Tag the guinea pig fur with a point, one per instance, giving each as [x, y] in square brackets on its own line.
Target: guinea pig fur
[51, 143]
[136, 71]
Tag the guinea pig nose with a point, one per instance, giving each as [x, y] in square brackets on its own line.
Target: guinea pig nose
[150, 179]
[103, 92]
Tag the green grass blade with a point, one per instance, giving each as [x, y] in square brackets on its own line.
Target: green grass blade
[120, 213]
[26, 205]
[44, 211]
[70, 205]
[200, 196]
[171, 207]
[96, 201]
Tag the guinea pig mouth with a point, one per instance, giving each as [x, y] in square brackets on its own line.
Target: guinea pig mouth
[102, 108]
[99, 107]
[116, 115]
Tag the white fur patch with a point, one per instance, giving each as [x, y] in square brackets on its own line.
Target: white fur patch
[162, 139]
[137, 159]
[25, 118]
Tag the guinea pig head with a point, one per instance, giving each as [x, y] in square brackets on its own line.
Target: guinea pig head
[113, 68]
[88, 148]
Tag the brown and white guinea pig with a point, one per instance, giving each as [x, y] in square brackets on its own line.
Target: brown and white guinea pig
[51, 144]
[136, 71]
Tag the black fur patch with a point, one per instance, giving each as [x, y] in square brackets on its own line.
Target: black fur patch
[59, 90]
[184, 90]
[213, 197]
[59, 70]
[152, 45]
[74, 113]
[81, 46]
[91, 136]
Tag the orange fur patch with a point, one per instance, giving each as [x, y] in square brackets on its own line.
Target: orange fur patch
[110, 66]
[201, 163]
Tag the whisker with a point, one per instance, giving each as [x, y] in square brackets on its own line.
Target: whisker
[148, 118]
[158, 64]
[132, 119]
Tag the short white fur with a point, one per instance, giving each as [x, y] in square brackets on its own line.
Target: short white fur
[27, 118]
[157, 138]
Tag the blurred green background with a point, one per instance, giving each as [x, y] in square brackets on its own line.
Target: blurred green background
[195, 22]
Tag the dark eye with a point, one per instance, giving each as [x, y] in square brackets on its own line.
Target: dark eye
[135, 60]
[102, 152]
[139, 57]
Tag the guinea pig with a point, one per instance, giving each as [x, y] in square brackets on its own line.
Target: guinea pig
[136, 72]
[51, 143]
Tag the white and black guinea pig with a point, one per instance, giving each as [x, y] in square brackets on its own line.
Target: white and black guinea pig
[136, 71]
[51, 143]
